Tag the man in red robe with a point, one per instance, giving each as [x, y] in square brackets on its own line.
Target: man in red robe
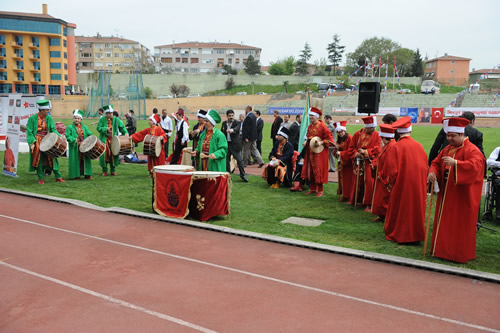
[344, 161]
[365, 146]
[459, 170]
[406, 177]
[155, 130]
[315, 169]
[381, 194]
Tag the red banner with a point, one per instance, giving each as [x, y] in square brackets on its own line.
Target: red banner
[171, 194]
[437, 115]
[210, 197]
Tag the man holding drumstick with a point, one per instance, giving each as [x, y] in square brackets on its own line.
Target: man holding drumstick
[154, 130]
[107, 127]
[75, 133]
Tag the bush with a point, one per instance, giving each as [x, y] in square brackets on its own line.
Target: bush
[229, 83]
[179, 90]
[148, 92]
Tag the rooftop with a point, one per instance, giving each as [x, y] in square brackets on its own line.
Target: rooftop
[448, 57]
[102, 39]
[214, 45]
[486, 70]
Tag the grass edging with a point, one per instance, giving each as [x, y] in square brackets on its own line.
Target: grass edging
[419, 264]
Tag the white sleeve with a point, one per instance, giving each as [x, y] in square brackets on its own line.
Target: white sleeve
[168, 125]
[492, 160]
[185, 134]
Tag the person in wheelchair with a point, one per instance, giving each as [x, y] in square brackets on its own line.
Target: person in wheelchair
[493, 163]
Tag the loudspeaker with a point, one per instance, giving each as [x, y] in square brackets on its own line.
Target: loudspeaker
[369, 97]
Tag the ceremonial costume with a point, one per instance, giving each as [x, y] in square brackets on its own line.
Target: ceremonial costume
[212, 142]
[280, 171]
[154, 130]
[181, 137]
[344, 162]
[370, 142]
[78, 164]
[37, 127]
[405, 175]
[315, 169]
[458, 202]
[115, 126]
[194, 136]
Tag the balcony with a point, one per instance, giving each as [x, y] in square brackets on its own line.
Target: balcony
[36, 80]
[33, 46]
[16, 56]
[2, 55]
[3, 78]
[33, 58]
[18, 69]
[33, 69]
[16, 45]
[3, 69]
[17, 79]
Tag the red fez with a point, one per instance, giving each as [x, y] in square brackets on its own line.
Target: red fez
[455, 125]
[370, 121]
[315, 112]
[387, 131]
[403, 125]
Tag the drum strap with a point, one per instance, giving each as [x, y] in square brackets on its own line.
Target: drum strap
[79, 139]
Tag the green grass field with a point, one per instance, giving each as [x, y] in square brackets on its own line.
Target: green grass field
[256, 207]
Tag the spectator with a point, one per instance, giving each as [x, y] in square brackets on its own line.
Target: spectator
[276, 125]
[250, 137]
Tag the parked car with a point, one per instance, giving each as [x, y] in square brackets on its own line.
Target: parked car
[122, 96]
[324, 87]
[241, 93]
[406, 91]
[474, 88]
[261, 93]
[300, 92]
[429, 87]
[194, 95]
[164, 96]
[221, 94]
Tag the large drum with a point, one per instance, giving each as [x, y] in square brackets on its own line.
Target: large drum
[210, 193]
[121, 145]
[53, 145]
[173, 167]
[186, 156]
[92, 147]
[152, 145]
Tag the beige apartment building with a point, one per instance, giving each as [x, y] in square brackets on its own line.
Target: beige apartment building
[199, 57]
[113, 54]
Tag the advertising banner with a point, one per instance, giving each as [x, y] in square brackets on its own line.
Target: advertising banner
[285, 110]
[13, 130]
[413, 113]
[478, 112]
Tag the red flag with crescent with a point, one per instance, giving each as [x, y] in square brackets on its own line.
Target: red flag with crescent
[437, 115]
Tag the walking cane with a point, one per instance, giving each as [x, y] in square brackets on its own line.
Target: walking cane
[428, 223]
[357, 183]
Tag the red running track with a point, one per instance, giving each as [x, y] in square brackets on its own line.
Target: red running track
[69, 269]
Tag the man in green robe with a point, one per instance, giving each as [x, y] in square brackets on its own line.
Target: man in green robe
[212, 145]
[38, 126]
[75, 133]
[108, 127]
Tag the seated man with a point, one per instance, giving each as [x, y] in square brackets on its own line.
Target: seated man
[279, 169]
[493, 163]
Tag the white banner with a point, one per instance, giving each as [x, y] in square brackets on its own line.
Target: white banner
[12, 139]
[478, 112]
[383, 111]
[26, 109]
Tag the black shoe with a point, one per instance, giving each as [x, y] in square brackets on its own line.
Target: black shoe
[244, 178]
[261, 165]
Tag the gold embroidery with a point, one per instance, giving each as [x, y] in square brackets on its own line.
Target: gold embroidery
[200, 202]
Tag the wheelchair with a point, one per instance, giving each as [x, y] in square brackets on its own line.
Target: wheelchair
[490, 198]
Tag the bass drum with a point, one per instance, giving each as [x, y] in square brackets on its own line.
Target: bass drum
[53, 145]
[92, 147]
[152, 145]
[121, 145]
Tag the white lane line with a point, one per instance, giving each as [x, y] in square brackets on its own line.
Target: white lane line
[109, 298]
[298, 285]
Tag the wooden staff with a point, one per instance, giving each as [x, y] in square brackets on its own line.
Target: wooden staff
[428, 223]
[441, 211]
[357, 183]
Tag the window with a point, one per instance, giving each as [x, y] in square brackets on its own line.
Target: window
[237, 51]
[109, 64]
[248, 51]
[452, 71]
[230, 61]
[65, 31]
[55, 65]
[20, 76]
[19, 52]
[207, 51]
[36, 65]
[177, 50]
[65, 77]
[38, 89]
[37, 77]
[98, 64]
[86, 45]
[5, 88]
[117, 55]
[207, 61]
[177, 59]
[2, 52]
[66, 66]
[36, 54]
[194, 60]
[65, 44]
[220, 62]
[54, 42]
[116, 46]
[108, 54]
[220, 51]
[3, 76]
[166, 60]
[117, 64]
[35, 41]
[194, 51]
[194, 70]
[107, 45]
[452, 62]
[55, 54]
[55, 77]
[23, 88]
[20, 64]
[237, 60]
[2, 39]
[98, 55]
[184, 60]
[30, 26]
[19, 40]
[3, 64]
[98, 45]
[86, 55]
[54, 90]
[127, 55]
[65, 55]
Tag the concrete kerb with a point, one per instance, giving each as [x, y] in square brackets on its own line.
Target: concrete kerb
[419, 264]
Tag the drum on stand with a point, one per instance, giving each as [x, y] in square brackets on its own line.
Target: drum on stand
[92, 147]
[121, 145]
[53, 145]
[172, 168]
[152, 145]
[186, 156]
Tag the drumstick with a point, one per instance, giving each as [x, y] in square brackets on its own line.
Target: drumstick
[203, 155]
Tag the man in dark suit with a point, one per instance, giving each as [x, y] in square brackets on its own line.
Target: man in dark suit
[295, 132]
[475, 136]
[231, 129]
[260, 127]
[276, 126]
[249, 136]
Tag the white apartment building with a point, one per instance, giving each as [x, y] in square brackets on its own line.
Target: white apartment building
[198, 57]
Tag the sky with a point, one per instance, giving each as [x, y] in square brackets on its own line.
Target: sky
[281, 28]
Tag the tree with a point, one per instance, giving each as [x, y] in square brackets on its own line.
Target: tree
[335, 52]
[148, 92]
[227, 69]
[417, 67]
[179, 90]
[320, 67]
[285, 85]
[283, 67]
[229, 83]
[252, 66]
[301, 66]
[370, 49]
[404, 60]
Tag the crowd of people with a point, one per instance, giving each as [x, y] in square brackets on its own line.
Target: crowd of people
[384, 172]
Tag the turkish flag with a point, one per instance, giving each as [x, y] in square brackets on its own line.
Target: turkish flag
[437, 115]
[171, 194]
